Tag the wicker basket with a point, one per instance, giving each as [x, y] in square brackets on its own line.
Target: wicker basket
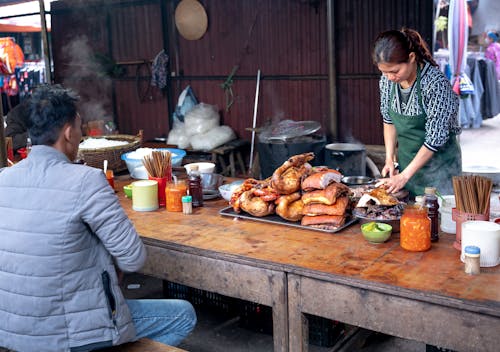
[96, 157]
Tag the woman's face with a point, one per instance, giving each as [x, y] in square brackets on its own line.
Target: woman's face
[396, 73]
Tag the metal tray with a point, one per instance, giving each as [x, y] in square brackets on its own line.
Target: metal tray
[276, 219]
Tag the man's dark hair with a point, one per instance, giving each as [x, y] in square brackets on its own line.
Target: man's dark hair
[52, 106]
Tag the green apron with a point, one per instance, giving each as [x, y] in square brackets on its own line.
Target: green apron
[444, 164]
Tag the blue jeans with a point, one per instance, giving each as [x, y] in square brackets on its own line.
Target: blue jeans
[167, 321]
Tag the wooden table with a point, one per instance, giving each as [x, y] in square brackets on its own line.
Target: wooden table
[206, 251]
[421, 296]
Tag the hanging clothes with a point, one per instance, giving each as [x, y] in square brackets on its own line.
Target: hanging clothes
[159, 70]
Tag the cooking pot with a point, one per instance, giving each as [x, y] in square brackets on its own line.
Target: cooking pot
[348, 158]
[357, 180]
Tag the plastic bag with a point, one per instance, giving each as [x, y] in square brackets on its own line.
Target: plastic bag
[213, 138]
[201, 119]
[186, 102]
[177, 136]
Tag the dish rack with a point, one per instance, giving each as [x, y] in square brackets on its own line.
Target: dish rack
[95, 157]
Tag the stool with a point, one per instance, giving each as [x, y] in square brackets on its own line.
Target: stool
[142, 345]
[232, 150]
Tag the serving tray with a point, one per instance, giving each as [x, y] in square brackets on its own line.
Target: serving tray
[276, 219]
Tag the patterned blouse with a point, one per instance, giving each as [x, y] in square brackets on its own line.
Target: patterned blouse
[439, 102]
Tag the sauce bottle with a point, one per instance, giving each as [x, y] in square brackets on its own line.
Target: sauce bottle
[415, 229]
[431, 202]
[195, 188]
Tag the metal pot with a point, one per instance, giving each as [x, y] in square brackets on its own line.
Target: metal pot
[357, 180]
[348, 158]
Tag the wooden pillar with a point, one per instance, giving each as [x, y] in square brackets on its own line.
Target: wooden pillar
[45, 42]
[3, 149]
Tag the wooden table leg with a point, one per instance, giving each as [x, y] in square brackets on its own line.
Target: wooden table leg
[230, 278]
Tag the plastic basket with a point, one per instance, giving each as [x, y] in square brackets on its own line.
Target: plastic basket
[95, 157]
[257, 317]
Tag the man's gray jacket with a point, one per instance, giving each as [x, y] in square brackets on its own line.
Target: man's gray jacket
[62, 230]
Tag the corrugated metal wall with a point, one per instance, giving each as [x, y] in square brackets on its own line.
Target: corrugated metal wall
[357, 23]
[130, 35]
[285, 39]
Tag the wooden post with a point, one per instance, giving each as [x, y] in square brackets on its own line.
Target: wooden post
[45, 42]
[3, 149]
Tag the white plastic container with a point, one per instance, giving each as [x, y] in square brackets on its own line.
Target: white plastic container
[447, 223]
[486, 236]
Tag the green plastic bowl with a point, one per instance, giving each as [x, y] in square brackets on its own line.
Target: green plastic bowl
[128, 190]
[376, 232]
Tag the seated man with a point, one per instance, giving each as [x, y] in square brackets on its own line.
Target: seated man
[16, 125]
[62, 231]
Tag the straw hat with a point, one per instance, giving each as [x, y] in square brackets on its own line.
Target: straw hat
[191, 19]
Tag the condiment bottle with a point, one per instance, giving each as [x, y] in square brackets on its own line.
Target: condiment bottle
[431, 202]
[415, 229]
[28, 145]
[472, 259]
[173, 194]
[195, 188]
[187, 205]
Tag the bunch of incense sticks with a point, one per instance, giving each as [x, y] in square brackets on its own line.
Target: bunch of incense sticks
[472, 193]
[158, 163]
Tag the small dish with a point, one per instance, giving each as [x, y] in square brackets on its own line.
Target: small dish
[376, 232]
[203, 168]
[226, 190]
[209, 194]
[127, 189]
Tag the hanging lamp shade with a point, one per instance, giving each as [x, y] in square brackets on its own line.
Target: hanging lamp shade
[191, 19]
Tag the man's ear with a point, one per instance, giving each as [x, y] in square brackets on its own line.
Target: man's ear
[67, 132]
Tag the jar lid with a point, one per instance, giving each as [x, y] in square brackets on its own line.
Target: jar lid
[472, 250]
[419, 200]
[186, 199]
[430, 190]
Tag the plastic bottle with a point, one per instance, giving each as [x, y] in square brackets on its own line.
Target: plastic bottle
[195, 188]
[431, 202]
[187, 205]
[472, 259]
[28, 145]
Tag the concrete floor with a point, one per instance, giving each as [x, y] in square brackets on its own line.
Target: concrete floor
[219, 331]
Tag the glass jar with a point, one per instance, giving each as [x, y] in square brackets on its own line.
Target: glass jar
[415, 229]
[174, 193]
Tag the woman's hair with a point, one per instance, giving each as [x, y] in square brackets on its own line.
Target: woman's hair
[51, 107]
[493, 35]
[395, 47]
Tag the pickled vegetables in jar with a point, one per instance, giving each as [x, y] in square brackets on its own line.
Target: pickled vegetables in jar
[415, 229]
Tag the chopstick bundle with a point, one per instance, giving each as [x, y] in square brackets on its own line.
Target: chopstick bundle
[158, 164]
[472, 193]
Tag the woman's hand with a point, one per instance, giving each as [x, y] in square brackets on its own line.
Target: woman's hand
[389, 169]
[394, 183]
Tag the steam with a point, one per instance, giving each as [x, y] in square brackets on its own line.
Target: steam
[87, 77]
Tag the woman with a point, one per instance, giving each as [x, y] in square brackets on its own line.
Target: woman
[420, 113]
[492, 52]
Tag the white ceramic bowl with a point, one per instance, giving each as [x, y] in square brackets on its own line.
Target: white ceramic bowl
[134, 158]
[226, 190]
[203, 168]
